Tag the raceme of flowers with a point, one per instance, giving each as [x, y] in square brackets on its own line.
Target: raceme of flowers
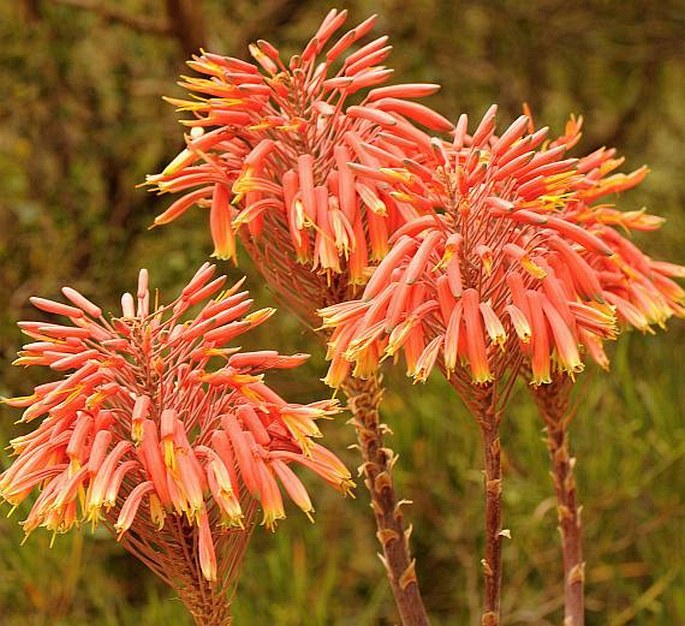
[276, 163]
[640, 288]
[156, 418]
[509, 262]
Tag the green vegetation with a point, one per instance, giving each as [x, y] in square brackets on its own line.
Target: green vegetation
[83, 123]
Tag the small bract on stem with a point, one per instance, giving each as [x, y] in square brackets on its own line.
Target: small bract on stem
[165, 433]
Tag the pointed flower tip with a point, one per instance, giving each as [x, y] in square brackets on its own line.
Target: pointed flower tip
[258, 317]
[224, 256]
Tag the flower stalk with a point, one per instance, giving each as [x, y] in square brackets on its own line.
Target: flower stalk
[486, 404]
[489, 420]
[553, 402]
[364, 399]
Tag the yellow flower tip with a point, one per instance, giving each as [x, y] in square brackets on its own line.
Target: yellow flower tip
[136, 434]
[93, 516]
[270, 520]
[236, 521]
[532, 268]
[181, 160]
[402, 196]
[222, 255]
[169, 455]
[536, 381]
[483, 379]
[150, 179]
[332, 381]
[400, 175]
[18, 401]
[387, 354]
[257, 317]
[421, 377]
[183, 105]
[347, 487]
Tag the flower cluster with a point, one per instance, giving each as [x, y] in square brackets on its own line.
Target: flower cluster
[509, 262]
[279, 162]
[640, 288]
[158, 421]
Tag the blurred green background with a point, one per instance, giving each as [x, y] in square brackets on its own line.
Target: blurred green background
[83, 122]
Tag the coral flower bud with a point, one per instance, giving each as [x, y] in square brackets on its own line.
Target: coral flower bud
[521, 325]
[294, 487]
[81, 302]
[129, 509]
[56, 307]
[220, 216]
[208, 562]
[140, 412]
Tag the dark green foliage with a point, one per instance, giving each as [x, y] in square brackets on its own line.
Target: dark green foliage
[83, 123]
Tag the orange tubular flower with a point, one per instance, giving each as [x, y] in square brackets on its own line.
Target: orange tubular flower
[520, 264]
[162, 431]
[640, 288]
[277, 147]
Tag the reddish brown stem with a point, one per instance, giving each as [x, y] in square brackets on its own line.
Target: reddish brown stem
[211, 611]
[553, 404]
[364, 398]
[488, 419]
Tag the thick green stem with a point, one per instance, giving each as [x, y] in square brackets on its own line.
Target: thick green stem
[364, 398]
